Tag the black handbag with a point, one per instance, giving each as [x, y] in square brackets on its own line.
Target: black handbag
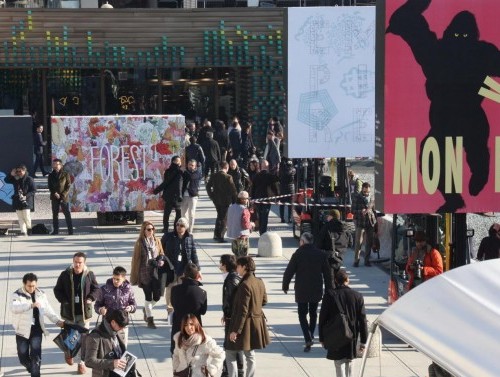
[336, 332]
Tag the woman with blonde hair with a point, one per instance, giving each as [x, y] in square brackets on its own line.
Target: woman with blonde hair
[147, 261]
[196, 350]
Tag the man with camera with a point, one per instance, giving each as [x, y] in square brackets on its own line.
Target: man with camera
[424, 262]
[23, 200]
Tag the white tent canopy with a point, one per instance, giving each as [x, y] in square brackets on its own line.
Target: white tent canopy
[454, 319]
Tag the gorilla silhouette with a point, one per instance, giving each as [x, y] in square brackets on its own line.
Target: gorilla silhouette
[455, 67]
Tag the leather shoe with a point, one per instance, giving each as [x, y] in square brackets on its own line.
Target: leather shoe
[308, 346]
[54, 233]
[81, 368]
[69, 360]
[368, 263]
[356, 263]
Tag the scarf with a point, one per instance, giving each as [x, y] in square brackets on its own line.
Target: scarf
[193, 340]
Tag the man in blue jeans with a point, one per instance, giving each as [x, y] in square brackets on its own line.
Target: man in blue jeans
[29, 305]
[311, 269]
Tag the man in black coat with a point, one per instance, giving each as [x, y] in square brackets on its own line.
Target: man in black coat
[172, 191]
[38, 145]
[212, 154]
[310, 267]
[333, 238]
[222, 191]
[264, 185]
[187, 298]
[353, 305]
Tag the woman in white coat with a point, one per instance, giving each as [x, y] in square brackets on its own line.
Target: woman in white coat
[196, 350]
[29, 306]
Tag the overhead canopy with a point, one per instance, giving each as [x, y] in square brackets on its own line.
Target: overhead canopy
[454, 319]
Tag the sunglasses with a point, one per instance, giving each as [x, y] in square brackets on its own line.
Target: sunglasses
[150, 229]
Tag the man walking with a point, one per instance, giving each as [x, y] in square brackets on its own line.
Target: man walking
[191, 180]
[116, 294]
[172, 191]
[23, 200]
[59, 184]
[76, 290]
[221, 190]
[333, 239]
[105, 346]
[310, 267]
[38, 145]
[29, 305]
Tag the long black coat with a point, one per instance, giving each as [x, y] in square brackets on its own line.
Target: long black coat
[354, 307]
[221, 189]
[310, 267]
[171, 185]
[187, 297]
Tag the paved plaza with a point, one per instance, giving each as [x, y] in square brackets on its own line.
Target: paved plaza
[112, 246]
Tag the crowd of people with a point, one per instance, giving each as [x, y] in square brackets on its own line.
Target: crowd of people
[234, 174]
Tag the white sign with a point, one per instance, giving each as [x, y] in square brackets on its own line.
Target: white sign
[331, 82]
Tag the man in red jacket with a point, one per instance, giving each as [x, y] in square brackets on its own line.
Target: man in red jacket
[424, 262]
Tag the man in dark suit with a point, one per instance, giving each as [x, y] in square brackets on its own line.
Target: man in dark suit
[172, 191]
[222, 191]
[212, 154]
[264, 185]
[310, 267]
[38, 144]
[187, 298]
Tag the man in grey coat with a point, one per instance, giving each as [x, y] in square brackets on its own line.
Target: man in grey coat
[105, 346]
[310, 267]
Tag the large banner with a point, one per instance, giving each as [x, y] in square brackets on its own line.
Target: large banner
[439, 120]
[331, 82]
[116, 161]
[16, 147]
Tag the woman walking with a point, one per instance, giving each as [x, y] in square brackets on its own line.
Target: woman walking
[147, 259]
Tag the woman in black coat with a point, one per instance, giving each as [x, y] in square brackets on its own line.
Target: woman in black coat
[352, 303]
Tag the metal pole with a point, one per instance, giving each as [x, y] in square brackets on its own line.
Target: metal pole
[459, 240]
[367, 347]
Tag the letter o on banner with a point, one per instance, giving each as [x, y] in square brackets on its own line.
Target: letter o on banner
[431, 147]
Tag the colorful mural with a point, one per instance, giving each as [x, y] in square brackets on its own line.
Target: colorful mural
[116, 161]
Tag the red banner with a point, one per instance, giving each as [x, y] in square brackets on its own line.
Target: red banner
[439, 130]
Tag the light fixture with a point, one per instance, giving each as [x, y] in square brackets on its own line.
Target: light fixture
[106, 5]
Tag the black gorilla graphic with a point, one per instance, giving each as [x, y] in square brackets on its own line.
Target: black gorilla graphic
[455, 67]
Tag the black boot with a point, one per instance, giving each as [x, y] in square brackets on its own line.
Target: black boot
[151, 323]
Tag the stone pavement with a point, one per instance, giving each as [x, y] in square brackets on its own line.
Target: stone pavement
[111, 246]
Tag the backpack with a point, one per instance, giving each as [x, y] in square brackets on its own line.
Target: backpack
[39, 229]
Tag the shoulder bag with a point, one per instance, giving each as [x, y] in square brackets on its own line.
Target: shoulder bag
[336, 332]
